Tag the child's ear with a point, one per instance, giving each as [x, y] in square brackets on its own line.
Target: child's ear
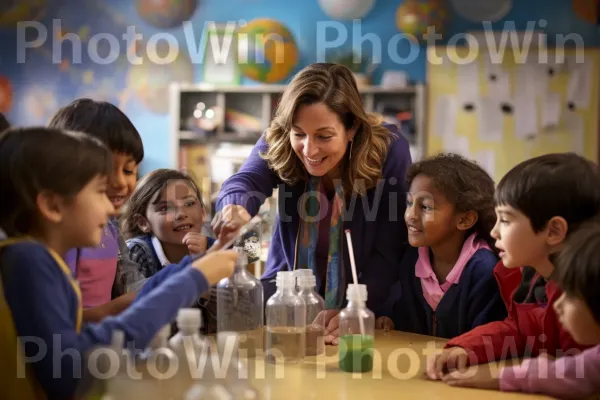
[556, 229]
[51, 206]
[142, 223]
[467, 220]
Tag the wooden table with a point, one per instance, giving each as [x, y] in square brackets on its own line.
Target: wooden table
[398, 370]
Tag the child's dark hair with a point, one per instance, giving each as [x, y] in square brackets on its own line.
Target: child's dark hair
[104, 121]
[559, 184]
[4, 124]
[33, 160]
[465, 184]
[147, 189]
[577, 266]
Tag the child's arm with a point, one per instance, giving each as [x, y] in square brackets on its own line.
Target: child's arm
[43, 307]
[113, 307]
[570, 377]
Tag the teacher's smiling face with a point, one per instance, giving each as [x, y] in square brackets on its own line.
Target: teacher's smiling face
[319, 138]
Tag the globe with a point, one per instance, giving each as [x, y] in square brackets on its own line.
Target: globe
[15, 11]
[267, 51]
[165, 13]
[347, 9]
[413, 17]
[587, 10]
[150, 81]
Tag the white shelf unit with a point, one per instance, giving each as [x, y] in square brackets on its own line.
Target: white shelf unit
[260, 101]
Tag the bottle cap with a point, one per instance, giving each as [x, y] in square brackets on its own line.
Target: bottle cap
[118, 339]
[285, 279]
[303, 272]
[189, 317]
[356, 292]
[307, 281]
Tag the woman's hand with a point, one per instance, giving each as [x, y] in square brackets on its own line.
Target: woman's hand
[230, 219]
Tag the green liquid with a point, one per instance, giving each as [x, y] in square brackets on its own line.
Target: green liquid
[356, 353]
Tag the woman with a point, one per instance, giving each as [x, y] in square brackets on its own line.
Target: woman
[336, 168]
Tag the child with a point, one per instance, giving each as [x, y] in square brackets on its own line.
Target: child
[578, 309]
[163, 221]
[538, 203]
[105, 271]
[54, 198]
[447, 286]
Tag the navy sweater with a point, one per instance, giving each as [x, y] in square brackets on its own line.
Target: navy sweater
[474, 301]
[44, 306]
[379, 234]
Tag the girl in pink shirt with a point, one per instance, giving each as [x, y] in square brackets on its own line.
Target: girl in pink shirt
[575, 375]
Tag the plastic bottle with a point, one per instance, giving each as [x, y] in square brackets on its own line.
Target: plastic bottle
[299, 273]
[315, 318]
[237, 374]
[286, 322]
[240, 306]
[357, 328]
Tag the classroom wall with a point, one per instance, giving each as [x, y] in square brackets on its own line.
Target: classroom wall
[40, 85]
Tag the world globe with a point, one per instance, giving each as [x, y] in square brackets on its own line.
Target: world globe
[267, 51]
[166, 13]
[14, 11]
[150, 81]
[413, 17]
[346, 9]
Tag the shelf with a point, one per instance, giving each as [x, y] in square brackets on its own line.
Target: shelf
[193, 137]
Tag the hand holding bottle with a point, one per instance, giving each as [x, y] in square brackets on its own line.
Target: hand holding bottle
[216, 265]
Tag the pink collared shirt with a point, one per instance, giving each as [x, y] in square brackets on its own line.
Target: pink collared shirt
[432, 290]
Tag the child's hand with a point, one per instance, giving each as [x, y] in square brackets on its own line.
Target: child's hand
[332, 324]
[216, 265]
[384, 323]
[451, 358]
[195, 242]
[477, 376]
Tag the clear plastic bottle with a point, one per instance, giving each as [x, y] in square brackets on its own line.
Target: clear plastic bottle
[286, 322]
[189, 323]
[299, 273]
[357, 328]
[315, 318]
[237, 373]
[240, 306]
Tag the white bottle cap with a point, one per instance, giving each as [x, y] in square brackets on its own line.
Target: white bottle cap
[307, 281]
[118, 339]
[189, 317]
[303, 272]
[356, 292]
[285, 279]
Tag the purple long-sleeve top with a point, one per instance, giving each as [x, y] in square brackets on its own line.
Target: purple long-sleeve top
[379, 234]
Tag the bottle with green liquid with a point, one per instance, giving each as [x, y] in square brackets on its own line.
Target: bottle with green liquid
[357, 328]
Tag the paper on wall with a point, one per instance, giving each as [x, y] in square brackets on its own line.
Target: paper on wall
[457, 144]
[468, 84]
[525, 105]
[551, 107]
[491, 119]
[487, 160]
[498, 81]
[580, 85]
[446, 108]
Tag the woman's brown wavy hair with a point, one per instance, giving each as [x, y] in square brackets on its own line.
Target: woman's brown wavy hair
[334, 86]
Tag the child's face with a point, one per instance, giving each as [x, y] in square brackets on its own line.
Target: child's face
[123, 179]
[86, 216]
[175, 213]
[430, 217]
[519, 245]
[576, 317]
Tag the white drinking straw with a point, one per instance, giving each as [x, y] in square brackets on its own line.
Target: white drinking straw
[354, 275]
